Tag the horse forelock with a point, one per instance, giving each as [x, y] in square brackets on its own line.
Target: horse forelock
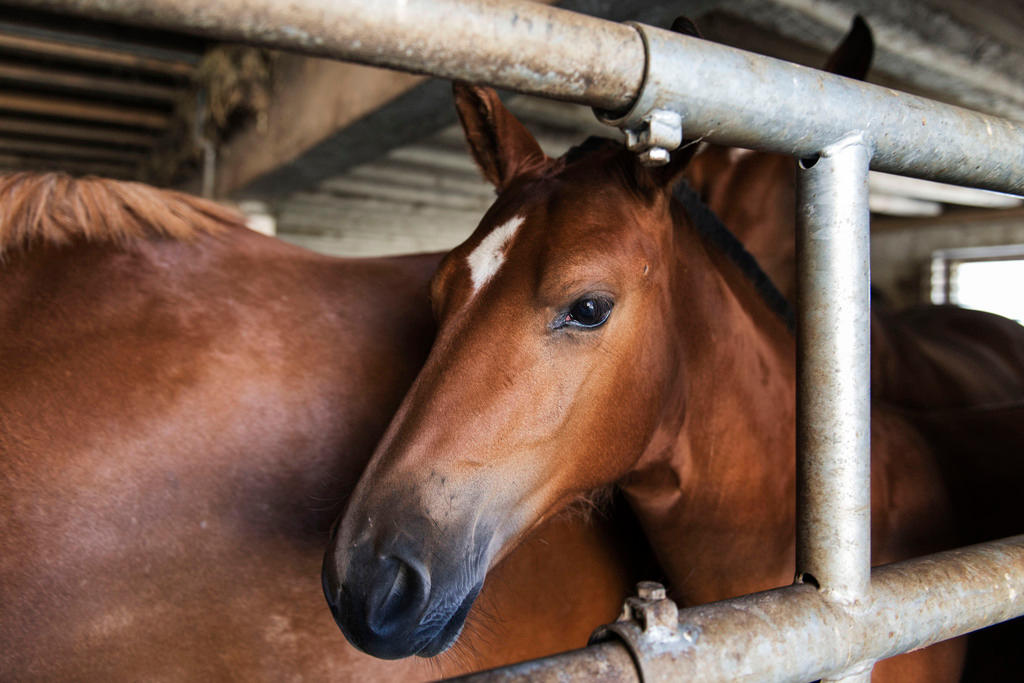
[616, 162]
[55, 208]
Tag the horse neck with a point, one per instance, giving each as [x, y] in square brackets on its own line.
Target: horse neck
[714, 489]
[764, 220]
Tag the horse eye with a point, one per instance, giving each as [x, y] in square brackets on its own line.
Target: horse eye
[589, 312]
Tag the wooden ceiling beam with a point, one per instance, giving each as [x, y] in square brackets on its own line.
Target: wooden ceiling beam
[77, 109]
[69, 150]
[14, 125]
[56, 49]
[65, 79]
[17, 162]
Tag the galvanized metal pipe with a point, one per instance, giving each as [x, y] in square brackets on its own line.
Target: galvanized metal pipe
[834, 377]
[833, 372]
[732, 97]
[524, 46]
[607, 662]
[795, 634]
[726, 96]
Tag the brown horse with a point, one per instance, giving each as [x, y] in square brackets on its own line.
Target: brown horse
[184, 408]
[589, 334]
[927, 358]
[956, 374]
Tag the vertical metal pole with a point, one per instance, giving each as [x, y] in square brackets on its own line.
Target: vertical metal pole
[833, 371]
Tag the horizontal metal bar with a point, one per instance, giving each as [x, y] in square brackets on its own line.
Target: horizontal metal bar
[519, 45]
[732, 97]
[728, 96]
[795, 635]
[606, 662]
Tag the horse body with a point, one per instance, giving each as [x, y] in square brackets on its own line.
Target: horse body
[181, 419]
[606, 341]
[953, 376]
[589, 334]
[764, 221]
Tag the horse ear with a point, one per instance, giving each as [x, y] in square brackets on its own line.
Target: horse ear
[686, 26]
[853, 56]
[500, 144]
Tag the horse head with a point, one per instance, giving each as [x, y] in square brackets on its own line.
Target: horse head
[548, 376]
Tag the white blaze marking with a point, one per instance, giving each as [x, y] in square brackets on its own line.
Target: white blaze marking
[487, 258]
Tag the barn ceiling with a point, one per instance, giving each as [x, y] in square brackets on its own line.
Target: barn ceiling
[87, 97]
[97, 97]
[958, 52]
[961, 53]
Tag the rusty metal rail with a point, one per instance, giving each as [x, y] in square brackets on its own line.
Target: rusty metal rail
[796, 634]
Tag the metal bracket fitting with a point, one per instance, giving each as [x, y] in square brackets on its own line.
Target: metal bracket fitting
[650, 130]
[649, 626]
[661, 130]
[656, 615]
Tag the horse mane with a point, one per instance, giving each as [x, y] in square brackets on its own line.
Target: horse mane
[710, 226]
[589, 146]
[55, 208]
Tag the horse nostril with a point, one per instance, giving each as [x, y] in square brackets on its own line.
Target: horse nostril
[400, 595]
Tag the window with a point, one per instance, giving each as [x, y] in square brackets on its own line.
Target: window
[983, 278]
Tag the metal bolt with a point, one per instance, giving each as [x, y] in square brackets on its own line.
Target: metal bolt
[650, 590]
[656, 156]
[660, 131]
